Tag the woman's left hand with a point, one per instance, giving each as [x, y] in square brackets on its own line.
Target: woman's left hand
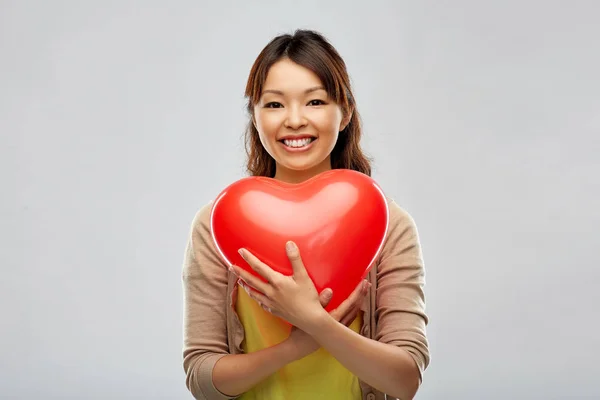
[293, 298]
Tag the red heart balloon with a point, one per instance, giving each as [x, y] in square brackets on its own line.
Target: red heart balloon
[338, 219]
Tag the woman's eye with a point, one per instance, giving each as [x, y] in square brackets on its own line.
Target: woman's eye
[316, 102]
[273, 104]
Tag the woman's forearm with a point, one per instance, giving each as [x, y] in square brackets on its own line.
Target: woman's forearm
[237, 373]
[384, 367]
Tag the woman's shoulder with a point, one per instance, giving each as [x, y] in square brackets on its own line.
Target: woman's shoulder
[398, 215]
[402, 230]
[201, 219]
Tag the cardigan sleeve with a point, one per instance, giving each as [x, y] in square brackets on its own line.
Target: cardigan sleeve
[400, 299]
[204, 279]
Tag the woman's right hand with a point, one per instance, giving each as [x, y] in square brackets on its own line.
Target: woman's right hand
[303, 344]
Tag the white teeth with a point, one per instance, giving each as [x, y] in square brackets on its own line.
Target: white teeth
[297, 142]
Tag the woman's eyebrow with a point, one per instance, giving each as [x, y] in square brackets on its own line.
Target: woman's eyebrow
[279, 92]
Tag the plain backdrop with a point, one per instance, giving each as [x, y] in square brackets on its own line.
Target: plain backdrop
[120, 119]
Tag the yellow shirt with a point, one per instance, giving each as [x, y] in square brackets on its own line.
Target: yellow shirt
[316, 376]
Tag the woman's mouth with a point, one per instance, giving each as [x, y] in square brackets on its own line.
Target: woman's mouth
[295, 145]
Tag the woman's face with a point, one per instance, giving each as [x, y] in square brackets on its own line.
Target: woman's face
[297, 121]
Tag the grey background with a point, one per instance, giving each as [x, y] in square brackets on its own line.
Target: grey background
[119, 120]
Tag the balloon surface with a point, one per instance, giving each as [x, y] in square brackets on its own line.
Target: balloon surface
[338, 219]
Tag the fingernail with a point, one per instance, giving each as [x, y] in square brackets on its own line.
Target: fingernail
[290, 246]
[243, 285]
[241, 251]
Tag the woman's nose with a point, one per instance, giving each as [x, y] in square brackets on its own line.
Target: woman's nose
[295, 118]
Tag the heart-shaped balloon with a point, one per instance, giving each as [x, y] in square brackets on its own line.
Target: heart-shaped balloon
[338, 219]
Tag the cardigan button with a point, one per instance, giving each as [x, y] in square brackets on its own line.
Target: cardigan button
[370, 396]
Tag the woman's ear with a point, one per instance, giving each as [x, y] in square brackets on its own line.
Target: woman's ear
[253, 119]
[346, 120]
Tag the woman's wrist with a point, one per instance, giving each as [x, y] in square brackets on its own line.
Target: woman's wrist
[316, 323]
[292, 351]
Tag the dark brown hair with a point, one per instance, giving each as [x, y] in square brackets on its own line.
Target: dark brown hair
[310, 50]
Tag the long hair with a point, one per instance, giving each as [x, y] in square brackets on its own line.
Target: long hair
[310, 50]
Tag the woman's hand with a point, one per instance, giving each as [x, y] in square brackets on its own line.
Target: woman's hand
[303, 344]
[294, 298]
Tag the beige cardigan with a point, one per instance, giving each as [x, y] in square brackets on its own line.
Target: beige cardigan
[394, 310]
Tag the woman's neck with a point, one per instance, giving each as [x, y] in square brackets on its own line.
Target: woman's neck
[298, 176]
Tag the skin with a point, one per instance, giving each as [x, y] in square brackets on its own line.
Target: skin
[286, 108]
[290, 105]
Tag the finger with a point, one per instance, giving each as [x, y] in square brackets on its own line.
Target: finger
[263, 269]
[347, 304]
[350, 315]
[293, 254]
[249, 279]
[325, 297]
[358, 293]
[260, 298]
[349, 318]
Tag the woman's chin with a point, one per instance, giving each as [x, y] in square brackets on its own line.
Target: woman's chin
[303, 167]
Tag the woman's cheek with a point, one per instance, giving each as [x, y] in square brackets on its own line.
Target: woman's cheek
[270, 125]
[330, 122]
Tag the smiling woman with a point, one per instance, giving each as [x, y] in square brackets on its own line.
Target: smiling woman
[275, 339]
[297, 126]
[299, 91]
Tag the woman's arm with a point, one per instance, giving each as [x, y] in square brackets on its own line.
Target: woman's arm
[385, 367]
[211, 372]
[205, 281]
[395, 360]
[235, 374]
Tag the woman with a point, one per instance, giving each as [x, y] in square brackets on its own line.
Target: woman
[236, 342]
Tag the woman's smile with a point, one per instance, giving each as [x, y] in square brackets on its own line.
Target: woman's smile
[297, 144]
